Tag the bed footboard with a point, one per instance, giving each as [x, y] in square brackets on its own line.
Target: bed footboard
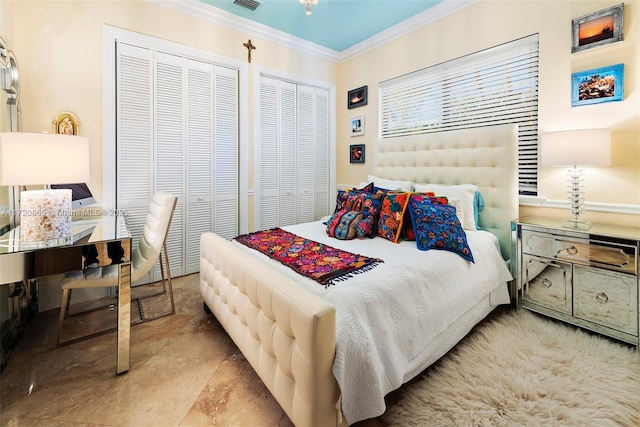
[285, 332]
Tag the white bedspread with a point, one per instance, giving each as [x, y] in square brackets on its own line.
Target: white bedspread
[386, 317]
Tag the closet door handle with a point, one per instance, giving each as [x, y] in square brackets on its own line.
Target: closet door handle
[572, 250]
[602, 298]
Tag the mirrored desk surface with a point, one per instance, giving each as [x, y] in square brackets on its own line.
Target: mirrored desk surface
[21, 261]
[84, 231]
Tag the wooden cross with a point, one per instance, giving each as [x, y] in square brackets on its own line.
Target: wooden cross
[249, 47]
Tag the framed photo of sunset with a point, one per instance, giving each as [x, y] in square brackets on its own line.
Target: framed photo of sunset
[598, 28]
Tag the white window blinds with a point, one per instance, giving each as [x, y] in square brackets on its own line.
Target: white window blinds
[494, 86]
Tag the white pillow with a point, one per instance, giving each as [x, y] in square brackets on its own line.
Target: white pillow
[390, 184]
[464, 192]
[456, 203]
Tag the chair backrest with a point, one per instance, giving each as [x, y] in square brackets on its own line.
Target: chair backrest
[154, 233]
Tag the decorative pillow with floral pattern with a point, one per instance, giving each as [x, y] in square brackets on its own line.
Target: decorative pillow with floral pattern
[371, 204]
[438, 227]
[349, 200]
[408, 226]
[394, 205]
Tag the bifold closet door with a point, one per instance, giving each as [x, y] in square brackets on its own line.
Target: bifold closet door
[178, 132]
[313, 153]
[292, 155]
[134, 147]
[169, 169]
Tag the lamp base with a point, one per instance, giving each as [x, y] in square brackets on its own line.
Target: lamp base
[45, 218]
[576, 224]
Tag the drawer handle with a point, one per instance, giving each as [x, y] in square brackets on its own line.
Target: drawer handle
[546, 283]
[602, 298]
[572, 250]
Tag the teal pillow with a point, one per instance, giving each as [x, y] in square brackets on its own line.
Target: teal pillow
[438, 227]
[478, 205]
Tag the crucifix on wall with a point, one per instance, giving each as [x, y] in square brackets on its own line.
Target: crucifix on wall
[249, 47]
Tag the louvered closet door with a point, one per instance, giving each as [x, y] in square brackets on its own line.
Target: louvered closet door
[226, 165]
[170, 149]
[267, 210]
[321, 154]
[134, 93]
[288, 148]
[306, 153]
[177, 121]
[313, 153]
[293, 154]
[199, 212]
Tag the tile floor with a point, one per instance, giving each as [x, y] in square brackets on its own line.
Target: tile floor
[185, 371]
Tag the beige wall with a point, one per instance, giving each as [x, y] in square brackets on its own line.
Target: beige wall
[6, 32]
[488, 23]
[59, 46]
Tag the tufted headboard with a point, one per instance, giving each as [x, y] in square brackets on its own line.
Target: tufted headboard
[485, 156]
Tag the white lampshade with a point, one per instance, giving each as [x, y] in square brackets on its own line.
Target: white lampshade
[42, 158]
[585, 147]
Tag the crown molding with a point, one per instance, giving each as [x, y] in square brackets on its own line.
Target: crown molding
[221, 17]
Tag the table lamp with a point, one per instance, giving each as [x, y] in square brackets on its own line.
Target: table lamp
[573, 148]
[43, 159]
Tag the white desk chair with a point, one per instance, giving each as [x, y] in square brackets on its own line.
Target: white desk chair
[150, 247]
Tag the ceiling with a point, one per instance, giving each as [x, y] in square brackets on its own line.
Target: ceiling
[336, 30]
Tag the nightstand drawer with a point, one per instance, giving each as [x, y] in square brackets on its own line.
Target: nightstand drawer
[547, 283]
[611, 256]
[606, 298]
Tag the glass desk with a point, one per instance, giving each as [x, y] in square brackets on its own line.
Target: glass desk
[19, 262]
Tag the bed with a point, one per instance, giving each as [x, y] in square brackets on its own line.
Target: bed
[292, 330]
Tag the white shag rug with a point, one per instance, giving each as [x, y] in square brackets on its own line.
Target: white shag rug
[521, 369]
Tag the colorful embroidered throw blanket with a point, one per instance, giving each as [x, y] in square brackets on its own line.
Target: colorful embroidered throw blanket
[317, 261]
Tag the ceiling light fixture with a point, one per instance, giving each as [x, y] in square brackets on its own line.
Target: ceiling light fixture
[308, 4]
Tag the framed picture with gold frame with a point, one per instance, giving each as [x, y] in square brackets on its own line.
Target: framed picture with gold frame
[66, 123]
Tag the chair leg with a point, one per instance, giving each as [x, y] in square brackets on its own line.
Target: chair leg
[166, 257]
[64, 310]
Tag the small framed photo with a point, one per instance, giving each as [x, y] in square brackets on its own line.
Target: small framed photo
[357, 97]
[356, 153]
[597, 29]
[357, 126]
[598, 85]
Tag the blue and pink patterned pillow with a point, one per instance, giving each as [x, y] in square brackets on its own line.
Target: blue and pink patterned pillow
[438, 227]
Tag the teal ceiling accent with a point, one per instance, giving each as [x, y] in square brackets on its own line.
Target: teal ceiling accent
[334, 24]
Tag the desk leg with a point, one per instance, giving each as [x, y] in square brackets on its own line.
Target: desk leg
[124, 318]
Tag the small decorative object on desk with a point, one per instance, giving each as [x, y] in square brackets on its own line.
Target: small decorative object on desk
[598, 28]
[357, 126]
[356, 153]
[66, 123]
[45, 216]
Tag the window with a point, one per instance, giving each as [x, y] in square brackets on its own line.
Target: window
[494, 86]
